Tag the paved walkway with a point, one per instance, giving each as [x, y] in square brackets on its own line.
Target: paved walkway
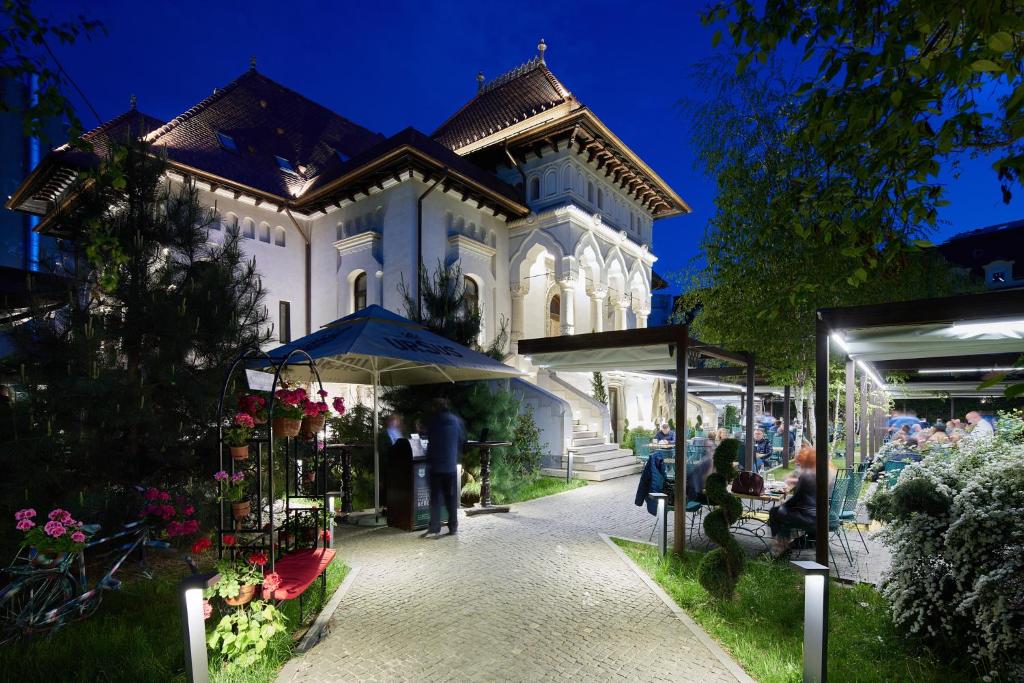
[527, 596]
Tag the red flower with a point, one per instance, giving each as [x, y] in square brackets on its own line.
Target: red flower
[326, 535]
[229, 540]
[259, 559]
[339, 405]
[322, 393]
[244, 420]
[202, 545]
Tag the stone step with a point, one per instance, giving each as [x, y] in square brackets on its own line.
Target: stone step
[599, 456]
[602, 475]
[583, 433]
[587, 441]
[596, 448]
[601, 465]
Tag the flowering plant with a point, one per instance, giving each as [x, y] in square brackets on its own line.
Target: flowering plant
[61, 533]
[233, 575]
[240, 431]
[234, 485]
[253, 405]
[288, 403]
[339, 405]
[311, 408]
[171, 517]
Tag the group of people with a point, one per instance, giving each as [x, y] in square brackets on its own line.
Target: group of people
[906, 427]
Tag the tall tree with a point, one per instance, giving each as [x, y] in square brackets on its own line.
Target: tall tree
[122, 381]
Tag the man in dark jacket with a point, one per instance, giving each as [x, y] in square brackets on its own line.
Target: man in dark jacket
[652, 480]
[447, 434]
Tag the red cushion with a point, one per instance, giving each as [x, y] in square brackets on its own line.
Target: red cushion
[298, 570]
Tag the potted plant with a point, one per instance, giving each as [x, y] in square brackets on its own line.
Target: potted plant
[238, 434]
[50, 543]
[255, 406]
[238, 579]
[288, 411]
[234, 486]
[314, 415]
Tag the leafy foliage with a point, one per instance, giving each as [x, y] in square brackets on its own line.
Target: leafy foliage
[597, 388]
[721, 567]
[243, 634]
[631, 436]
[525, 455]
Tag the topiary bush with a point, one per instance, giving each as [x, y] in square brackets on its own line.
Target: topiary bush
[720, 569]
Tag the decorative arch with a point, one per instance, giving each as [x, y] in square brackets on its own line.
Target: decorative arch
[230, 221]
[588, 256]
[249, 228]
[567, 177]
[550, 182]
[532, 246]
[280, 238]
[534, 188]
[264, 232]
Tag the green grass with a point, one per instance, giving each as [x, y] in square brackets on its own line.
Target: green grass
[135, 635]
[762, 628]
[518, 490]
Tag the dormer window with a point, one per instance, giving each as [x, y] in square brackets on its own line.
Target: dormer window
[285, 165]
[999, 277]
[227, 142]
[341, 155]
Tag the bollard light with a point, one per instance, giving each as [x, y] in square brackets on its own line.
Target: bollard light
[193, 625]
[815, 620]
[663, 518]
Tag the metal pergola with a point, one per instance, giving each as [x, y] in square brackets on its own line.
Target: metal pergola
[950, 344]
[666, 349]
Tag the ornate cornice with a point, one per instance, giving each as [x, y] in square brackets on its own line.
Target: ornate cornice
[588, 221]
[360, 242]
[470, 245]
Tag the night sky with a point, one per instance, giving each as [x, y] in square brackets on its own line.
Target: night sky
[388, 65]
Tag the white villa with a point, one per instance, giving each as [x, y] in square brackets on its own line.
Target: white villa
[548, 212]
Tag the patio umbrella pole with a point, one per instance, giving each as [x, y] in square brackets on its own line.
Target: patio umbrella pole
[376, 443]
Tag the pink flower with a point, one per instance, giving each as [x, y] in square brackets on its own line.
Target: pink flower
[27, 513]
[300, 394]
[272, 581]
[54, 529]
[339, 405]
[174, 529]
[190, 526]
[152, 493]
[237, 477]
[164, 495]
[188, 510]
[56, 514]
[66, 518]
[207, 609]
[24, 524]
[221, 476]
[322, 393]
[78, 537]
[244, 420]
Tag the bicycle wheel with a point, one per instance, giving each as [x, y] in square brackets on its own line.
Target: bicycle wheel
[24, 604]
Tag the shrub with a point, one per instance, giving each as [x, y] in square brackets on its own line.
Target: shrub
[720, 568]
[526, 454]
[631, 436]
[956, 537]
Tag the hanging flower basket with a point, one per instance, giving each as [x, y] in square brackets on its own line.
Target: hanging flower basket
[239, 452]
[245, 594]
[287, 426]
[240, 509]
[312, 424]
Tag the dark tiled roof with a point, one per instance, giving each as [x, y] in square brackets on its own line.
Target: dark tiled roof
[122, 129]
[517, 95]
[265, 120]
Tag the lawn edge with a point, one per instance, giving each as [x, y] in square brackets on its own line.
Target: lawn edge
[710, 643]
[316, 631]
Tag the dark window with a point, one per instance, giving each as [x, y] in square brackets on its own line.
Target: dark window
[534, 188]
[227, 142]
[359, 293]
[600, 199]
[284, 321]
[285, 165]
[472, 293]
[590, 192]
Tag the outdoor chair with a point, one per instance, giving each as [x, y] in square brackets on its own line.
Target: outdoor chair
[642, 451]
[892, 469]
[854, 483]
[835, 523]
[694, 512]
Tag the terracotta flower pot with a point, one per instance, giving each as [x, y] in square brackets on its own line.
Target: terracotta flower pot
[245, 594]
[313, 424]
[47, 560]
[260, 420]
[239, 452]
[240, 509]
[287, 426]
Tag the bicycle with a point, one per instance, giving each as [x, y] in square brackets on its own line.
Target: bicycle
[41, 599]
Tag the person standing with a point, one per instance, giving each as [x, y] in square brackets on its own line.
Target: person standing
[447, 436]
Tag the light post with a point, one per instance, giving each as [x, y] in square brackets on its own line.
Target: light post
[193, 625]
[663, 518]
[815, 620]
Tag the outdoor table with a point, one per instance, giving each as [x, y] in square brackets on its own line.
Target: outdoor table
[754, 521]
[485, 477]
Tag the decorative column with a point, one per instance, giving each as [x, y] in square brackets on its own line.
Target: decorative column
[518, 292]
[567, 315]
[597, 294]
[621, 304]
[641, 315]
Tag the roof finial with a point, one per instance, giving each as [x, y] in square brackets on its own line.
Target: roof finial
[479, 81]
[132, 102]
[252, 63]
[540, 50]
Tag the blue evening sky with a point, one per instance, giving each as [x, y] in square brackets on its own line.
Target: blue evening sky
[388, 65]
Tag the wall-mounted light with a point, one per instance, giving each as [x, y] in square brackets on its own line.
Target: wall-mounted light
[815, 620]
[193, 627]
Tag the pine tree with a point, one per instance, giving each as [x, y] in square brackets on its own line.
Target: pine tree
[122, 381]
[597, 388]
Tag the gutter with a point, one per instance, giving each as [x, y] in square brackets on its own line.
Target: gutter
[419, 241]
[309, 282]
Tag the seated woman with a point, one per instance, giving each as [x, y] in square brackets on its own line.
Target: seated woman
[798, 512]
[939, 435]
[695, 479]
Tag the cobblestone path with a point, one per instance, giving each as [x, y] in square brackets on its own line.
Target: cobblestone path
[533, 595]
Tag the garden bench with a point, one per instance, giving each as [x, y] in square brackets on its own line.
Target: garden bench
[298, 571]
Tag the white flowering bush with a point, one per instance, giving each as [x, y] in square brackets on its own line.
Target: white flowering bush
[955, 528]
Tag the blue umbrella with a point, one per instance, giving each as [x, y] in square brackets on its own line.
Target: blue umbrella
[377, 347]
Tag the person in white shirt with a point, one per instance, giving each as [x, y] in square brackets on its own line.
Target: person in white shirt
[979, 426]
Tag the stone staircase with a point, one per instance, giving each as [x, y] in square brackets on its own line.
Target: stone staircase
[594, 459]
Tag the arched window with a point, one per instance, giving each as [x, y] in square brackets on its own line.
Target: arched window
[535, 188]
[279, 238]
[230, 221]
[590, 192]
[600, 199]
[265, 232]
[555, 316]
[359, 292]
[472, 292]
[249, 229]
